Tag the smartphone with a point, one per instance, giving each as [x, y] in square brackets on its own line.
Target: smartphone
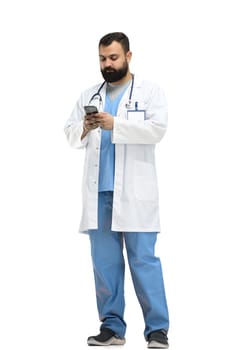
[90, 109]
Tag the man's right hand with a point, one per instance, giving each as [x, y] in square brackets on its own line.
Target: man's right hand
[89, 124]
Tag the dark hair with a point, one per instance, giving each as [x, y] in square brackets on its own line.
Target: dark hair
[120, 37]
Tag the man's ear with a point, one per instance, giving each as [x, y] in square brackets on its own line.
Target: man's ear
[129, 56]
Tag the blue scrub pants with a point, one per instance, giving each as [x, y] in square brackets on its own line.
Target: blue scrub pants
[109, 270]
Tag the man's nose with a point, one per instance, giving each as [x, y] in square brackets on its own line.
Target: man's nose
[108, 63]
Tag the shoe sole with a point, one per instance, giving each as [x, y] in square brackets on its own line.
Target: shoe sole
[111, 341]
[156, 345]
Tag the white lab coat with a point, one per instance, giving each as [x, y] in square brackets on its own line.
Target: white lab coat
[135, 200]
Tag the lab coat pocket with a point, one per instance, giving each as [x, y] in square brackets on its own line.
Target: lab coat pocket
[145, 182]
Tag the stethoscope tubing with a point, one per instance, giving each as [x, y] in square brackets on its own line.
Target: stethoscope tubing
[98, 94]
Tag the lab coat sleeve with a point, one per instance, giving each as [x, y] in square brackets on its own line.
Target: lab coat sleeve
[149, 131]
[74, 128]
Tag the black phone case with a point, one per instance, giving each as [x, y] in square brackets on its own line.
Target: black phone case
[90, 109]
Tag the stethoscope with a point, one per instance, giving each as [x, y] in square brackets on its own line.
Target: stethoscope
[97, 95]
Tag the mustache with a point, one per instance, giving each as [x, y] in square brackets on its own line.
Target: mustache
[109, 70]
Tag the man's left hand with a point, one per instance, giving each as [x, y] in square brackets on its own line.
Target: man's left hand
[105, 120]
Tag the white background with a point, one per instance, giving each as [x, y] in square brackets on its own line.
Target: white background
[48, 56]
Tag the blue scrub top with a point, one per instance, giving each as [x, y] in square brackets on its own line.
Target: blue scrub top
[107, 148]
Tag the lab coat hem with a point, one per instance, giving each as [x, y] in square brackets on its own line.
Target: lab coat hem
[135, 229]
[85, 230]
[123, 229]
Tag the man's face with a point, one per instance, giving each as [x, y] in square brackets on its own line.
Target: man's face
[114, 63]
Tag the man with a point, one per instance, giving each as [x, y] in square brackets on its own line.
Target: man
[120, 194]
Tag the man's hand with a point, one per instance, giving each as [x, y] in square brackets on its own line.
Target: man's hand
[95, 120]
[104, 120]
[90, 122]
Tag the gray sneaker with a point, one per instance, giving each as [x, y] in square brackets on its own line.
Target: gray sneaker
[106, 337]
[158, 340]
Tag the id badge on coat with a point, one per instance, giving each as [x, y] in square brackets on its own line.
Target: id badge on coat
[136, 114]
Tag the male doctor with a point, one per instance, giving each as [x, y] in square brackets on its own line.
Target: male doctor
[120, 194]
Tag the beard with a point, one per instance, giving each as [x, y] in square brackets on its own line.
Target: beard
[112, 75]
